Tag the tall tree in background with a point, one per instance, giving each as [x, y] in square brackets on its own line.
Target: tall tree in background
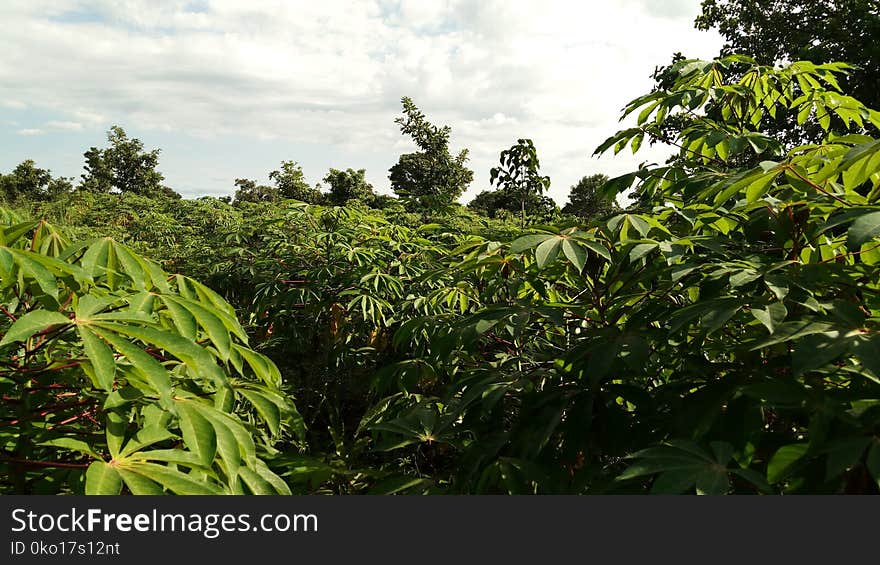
[27, 181]
[585, 199]
[821, 31]
[249, 190]
[432, 178]
[348, 185]
[291, 183]
[518, 175]
[124, 167]
[288, 183]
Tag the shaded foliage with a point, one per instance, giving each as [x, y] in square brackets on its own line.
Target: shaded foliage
[585, 199]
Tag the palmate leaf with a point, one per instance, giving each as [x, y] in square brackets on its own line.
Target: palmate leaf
[10, 235]
[863, 230]
[144, 363]
[576, 254]
[198, 433]
[100, 357]
[527, 242]
[135, 338]
[682, 465]
[31, 266]
[102, 478]
[197, 359]
[31, 323]
[174, 480]
[784, 460]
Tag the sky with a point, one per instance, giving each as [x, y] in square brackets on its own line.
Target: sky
[230, 88]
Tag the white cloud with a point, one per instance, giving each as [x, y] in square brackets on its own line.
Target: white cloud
[13, 104]
[64, 126]
[30, 131]
[332, 72]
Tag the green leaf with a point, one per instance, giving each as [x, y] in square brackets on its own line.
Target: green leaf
[754, 477]
[150, 434]
[172, 479]
[528, 241]
[73, 445]
[115, 433]
[139, 484]
[267, 409]
[101, 478]
[784, 460]
[262, 366]
[576, 254]
[771, 316]
[35, 266]
[100, 356]
[399, 484]
[198, 433]
[195, 357]
[843, 454]
[675, 482]
[10, 234]
[144, 363]
[641, 250]
[277, 482]
[547, 251]
[596, 247]
[257, 484]
[867, 348]
[862, 230]
[713, 481]
[758, 188]
[227, 444]
[33, 322]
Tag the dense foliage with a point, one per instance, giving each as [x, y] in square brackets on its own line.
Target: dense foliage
[719, 336]
[117, 375]
[821, 31]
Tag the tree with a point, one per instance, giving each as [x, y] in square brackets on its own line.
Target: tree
[488, 203]
[124, 167]
[249, 191]
[348, 185]
[821, 31]
[518, 175]
[491, 202]
[291, 184]
[585, 199]
[431, 179]
[27, 181]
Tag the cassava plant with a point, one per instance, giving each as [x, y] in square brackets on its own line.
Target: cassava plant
[118, 377]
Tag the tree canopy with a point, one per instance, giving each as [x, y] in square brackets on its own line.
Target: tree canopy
[432, 178]
[124, 166]
[27, 181]
[585, 199]
[290, 183]
[518, 175]
[823, 31]
[348, 185]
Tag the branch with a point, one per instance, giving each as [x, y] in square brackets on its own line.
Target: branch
[32, 463]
